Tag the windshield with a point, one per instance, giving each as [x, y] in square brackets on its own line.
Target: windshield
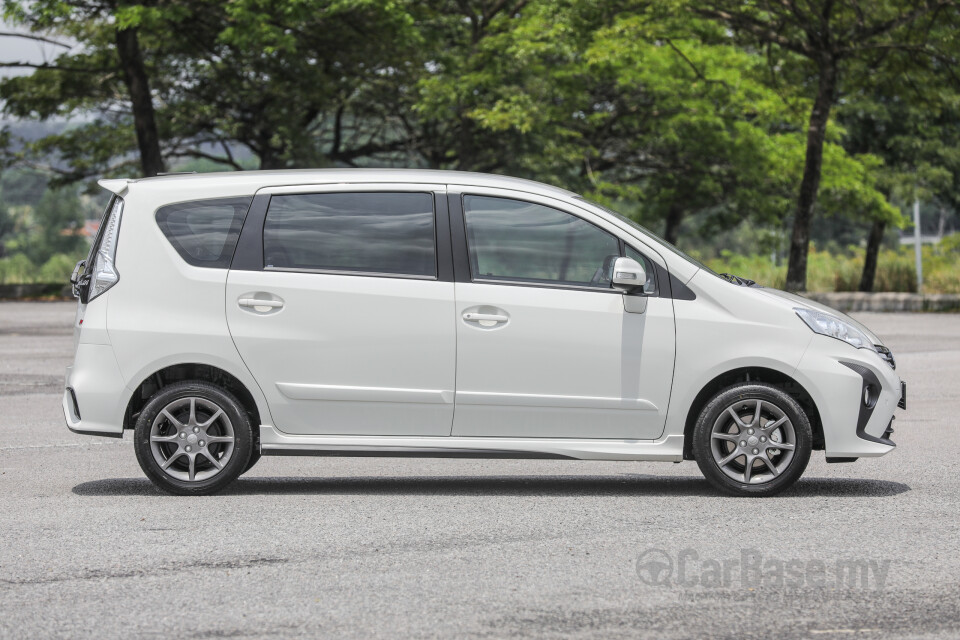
[639, 227]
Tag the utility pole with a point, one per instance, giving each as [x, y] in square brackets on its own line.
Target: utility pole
[917, 244]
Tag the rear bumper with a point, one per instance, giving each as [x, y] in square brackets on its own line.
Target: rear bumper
[95, 395]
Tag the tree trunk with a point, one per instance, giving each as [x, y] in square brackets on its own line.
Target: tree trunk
[144, 118]
[270, 159]
[870, 262]
[674, 220]
[810, 185]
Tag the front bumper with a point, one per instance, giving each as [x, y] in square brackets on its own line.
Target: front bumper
[856, 392]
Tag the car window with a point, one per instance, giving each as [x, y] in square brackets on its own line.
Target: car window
[383, 233]
[204, 232]
[515, 240]
[650, 287]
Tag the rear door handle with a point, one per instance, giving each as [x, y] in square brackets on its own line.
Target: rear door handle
[254, 302]
[484, 317]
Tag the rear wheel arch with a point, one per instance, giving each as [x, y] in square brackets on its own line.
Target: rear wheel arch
[752, 374]
[190, 371]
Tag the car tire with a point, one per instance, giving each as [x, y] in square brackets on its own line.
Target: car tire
[752, 439]
[254, 459]
[193, 438]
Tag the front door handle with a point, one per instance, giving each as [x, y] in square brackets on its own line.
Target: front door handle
[484, 317]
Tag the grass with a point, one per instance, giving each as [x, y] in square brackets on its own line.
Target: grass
[841, 272]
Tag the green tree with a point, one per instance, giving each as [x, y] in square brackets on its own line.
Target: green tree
[912, 122]
[298, 83]
[57, 219]
[838, 44]
[630, 103]
[111, 64]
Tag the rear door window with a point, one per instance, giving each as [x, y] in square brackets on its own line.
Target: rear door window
[355, 233]
[204, 232]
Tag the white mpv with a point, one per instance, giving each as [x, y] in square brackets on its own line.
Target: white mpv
[427, 313]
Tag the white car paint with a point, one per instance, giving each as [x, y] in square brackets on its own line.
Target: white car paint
[355, 363]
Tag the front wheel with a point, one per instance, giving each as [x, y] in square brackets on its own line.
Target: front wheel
[193, 438]
[752, 440]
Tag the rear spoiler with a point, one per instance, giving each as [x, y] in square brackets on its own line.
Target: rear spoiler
[115, 185]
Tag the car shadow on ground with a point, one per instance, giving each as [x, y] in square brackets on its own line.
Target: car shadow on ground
[500, 485]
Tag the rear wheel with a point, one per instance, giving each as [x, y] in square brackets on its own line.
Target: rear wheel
[752, 440]
[193, 438]
[254, 459]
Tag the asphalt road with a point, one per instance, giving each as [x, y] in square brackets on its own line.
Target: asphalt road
[420, 548]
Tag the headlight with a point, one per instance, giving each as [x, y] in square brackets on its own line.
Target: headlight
[828, 325]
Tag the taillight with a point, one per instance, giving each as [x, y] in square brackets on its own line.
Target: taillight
[103, 272]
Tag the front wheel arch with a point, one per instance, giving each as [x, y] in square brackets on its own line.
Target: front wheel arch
[752, 374]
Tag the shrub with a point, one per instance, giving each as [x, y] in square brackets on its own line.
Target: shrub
[842, 271]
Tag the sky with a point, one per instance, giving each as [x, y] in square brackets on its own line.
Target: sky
[23, 50]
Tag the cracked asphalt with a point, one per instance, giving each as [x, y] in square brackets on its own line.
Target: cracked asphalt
[379, 547]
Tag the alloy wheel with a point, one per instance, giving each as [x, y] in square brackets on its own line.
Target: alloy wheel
[192, 439]
[753, 441]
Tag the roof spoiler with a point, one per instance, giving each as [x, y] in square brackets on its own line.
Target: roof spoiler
[115, 185]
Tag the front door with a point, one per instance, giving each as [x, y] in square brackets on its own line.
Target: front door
[545, 347]
[346, 325]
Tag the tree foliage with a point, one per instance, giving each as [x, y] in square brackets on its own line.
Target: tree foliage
[695, 117]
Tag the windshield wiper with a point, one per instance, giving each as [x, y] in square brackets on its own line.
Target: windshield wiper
[743, 282]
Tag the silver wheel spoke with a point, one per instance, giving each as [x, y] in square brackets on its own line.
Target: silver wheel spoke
[748, 470]
[215, 417]
[193, 466]
[209, 456]
[193, 413]
[736, 418]
[213, 439]
[782, 445]
[732, 437]
[770, 465]
[172, 438]
[756, 415]
[172, 420]
[773, 425]
[176, 454]
[730, 458]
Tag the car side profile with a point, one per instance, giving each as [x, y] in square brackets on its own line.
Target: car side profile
[362, 312]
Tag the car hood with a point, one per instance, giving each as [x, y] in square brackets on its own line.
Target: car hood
[799, 301]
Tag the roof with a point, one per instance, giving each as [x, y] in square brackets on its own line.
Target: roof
[259, 179]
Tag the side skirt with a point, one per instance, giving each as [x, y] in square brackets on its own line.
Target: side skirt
[277, 443]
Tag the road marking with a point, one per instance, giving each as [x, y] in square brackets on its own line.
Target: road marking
[66, 444]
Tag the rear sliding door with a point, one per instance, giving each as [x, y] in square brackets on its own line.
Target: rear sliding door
[343, 312]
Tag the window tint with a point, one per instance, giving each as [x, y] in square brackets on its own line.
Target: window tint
[204, 232]
[514, 240]
[650, 287]
[391, 233]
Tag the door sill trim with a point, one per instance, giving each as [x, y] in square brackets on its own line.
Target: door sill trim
[273, 442]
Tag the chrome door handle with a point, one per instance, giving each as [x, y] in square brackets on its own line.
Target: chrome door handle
[254, 302]
[484, 317]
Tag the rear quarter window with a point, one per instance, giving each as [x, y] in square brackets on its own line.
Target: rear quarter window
[204, 232]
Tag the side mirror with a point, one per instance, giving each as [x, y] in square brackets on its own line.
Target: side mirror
[628, 275]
